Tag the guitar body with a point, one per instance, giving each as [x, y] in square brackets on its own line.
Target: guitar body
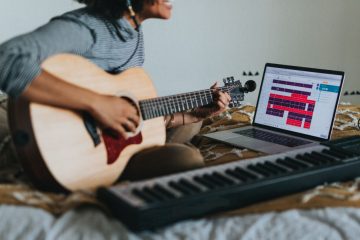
[54, 145]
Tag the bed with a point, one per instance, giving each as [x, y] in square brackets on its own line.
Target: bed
[330, 211]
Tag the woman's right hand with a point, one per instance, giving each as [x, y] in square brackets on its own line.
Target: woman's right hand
[116, 113]
[110, 112]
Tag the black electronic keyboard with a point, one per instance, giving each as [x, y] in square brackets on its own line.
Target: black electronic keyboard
[156, 202]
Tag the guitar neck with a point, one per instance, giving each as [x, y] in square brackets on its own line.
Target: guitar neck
[162, 106]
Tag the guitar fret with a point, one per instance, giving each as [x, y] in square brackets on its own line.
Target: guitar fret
[166, 106]
[187, 104]
[178, 103]
[182, 103]
[205, 98]
[172, 105]
[144, 110]
[153, 109]
[162, 106]
[201, 102]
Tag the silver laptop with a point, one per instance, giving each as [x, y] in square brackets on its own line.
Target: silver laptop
[296, 108]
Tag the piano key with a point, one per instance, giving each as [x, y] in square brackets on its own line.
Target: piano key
[246, 173]
[236, 175]
[341, 154]
[205, 182]
[259, 170]
[308, 159]
[328, 152]
[329, 155]
[296, 162]
[281, 169]
[268, 169]
[346, 151]
[287, 164]
[319, 160]
[189, 185]
[144, 196]
[154, 194]
[214, 180]
[223, 178]
[179, 188]
[322, 157]
[164, 191]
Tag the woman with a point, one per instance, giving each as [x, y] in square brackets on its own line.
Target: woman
[108, 33]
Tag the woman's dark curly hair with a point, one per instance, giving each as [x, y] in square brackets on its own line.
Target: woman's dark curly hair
[113, 8]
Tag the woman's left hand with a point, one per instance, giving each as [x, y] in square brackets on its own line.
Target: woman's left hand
[221, 101]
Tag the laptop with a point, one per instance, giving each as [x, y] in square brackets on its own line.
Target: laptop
[296, 108]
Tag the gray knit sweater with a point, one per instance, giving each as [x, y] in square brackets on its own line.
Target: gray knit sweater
[112, 45]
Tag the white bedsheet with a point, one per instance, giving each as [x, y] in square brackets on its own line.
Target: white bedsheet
[92, 223]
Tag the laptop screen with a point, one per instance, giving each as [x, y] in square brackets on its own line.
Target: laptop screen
[299, 100]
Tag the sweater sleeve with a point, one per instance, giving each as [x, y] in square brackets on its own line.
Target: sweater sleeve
[21, 57]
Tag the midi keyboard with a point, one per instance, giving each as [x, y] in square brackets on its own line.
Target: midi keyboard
[160, 201]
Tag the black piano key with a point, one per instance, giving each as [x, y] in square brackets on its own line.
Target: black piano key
[333, 154]
[236, 175]
[246, 173]
[268, 169]
[319, 160]
[214, 180]
[223, 178]
[154, 194]
[344, 151]
[179, 188]
[339, 153]
[324, 158]
[280, 169]
[144, 196]
[308, 159]
[164, 191]
[287, 164]
[328, 155]
[189, 185]
[205, 182]
[259, 170]
[297, 163]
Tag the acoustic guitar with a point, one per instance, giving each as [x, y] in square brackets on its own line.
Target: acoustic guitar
[61, 149]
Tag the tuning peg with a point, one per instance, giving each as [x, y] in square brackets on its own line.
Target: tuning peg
[257, 74]
[250, 74]
[244, 73]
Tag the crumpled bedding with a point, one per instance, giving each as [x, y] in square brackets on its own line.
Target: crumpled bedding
[92, 223]
[339, 222]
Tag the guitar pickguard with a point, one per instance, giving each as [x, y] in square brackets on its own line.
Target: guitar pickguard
[115, 144]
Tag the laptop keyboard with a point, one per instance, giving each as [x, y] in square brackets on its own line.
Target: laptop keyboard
[272, 137]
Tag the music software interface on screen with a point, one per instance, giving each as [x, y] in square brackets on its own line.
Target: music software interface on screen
[298, 101]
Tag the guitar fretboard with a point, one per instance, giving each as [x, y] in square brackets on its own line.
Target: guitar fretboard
[156, 107]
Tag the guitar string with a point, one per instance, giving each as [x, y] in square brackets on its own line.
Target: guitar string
[171, 104]
[208, 91]
[183, 97]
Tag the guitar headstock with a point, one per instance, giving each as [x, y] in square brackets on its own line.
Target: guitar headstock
[234, 89]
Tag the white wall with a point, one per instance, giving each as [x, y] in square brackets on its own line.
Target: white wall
[207, 40]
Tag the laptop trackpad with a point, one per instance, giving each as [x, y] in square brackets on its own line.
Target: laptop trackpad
[260, 146]
[247, 142]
